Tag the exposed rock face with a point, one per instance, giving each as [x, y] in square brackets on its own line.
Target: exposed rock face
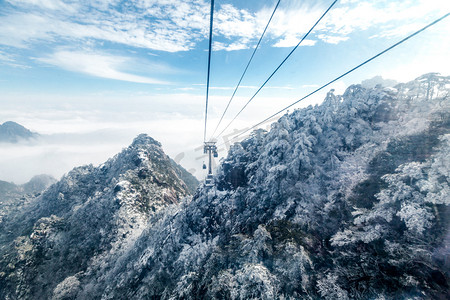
[346, 200]
[11, 132]
[81, 222]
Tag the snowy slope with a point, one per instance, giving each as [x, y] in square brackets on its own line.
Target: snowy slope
[346, 200]
[85, 219]
[349, 199]
[13, 197]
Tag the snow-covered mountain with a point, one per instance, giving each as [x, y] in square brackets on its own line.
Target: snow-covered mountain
[13, 197]
[346, 200]
[89, 216]
[38, 183]
[12, 132]
[349, 199]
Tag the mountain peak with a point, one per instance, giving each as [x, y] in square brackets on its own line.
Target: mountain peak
[11, 123]
[38, 183]
[103, 208]
[12, 132]
[144, 139]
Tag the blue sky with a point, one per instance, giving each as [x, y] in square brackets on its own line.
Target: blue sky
[123, 67]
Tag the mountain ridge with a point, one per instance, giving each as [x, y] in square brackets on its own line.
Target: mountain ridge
[12, 132]
[92, 212]
[13, 197]
[346, 200]
[331, 203]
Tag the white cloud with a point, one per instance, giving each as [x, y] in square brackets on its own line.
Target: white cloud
[387, 16]
[10, 60]
[436, 61]
[294, 18]
[400, 31]
[91, 129]
[232, 22]
[285, 30]
[332, 39]
[172, 26]
[58, 154]
[291, 41]
[18, 30]
[239, 45]
[96, 64]
[46, 4]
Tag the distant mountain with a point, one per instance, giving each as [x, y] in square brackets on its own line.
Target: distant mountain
[13, 197]
[7, 187]
[85, 220]
[38, 183]
[11, 132]
[346, 200]
[190, 180]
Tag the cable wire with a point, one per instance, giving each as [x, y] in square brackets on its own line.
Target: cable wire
[345, 74]
[248, 64]
[273, 73]
[209, 66]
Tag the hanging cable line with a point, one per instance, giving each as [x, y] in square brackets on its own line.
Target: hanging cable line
[209, 66]
[273, 73]
[248, 64]
[344, 74]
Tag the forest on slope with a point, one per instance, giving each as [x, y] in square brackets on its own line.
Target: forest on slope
[91, 214]
[345, 200]
[349, 199]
